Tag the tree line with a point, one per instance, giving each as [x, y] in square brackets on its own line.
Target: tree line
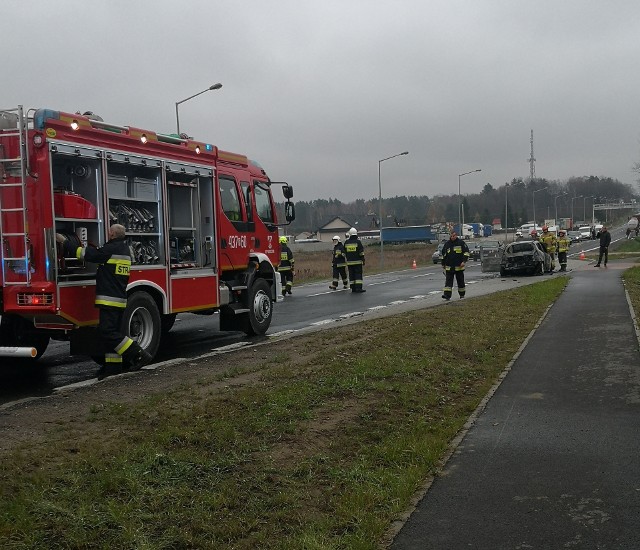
[573, 198]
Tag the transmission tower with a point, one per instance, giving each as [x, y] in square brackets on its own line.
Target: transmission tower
[532, 161]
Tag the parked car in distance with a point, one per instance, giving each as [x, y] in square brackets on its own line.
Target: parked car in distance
[437, 255]
[526, 258]
[575, 236]
[474, 251]
[585, 231]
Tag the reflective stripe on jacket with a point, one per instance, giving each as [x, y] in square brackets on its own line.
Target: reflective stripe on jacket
[454, 253]
[354, 251]
[548, 240]
[286, 258]
[339, 259]
[563, 244]
[112, 276]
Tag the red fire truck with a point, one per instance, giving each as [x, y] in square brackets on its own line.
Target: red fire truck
[201, 224]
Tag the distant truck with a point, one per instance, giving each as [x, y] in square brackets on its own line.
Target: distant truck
[466, 232]
[478, 229]
[408, 234]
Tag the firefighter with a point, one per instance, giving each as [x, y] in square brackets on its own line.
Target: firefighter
[354, 252]
[548, 241]
[112, 278]
[339, 264]
[285, 268]
[455, 253]
[564, 243]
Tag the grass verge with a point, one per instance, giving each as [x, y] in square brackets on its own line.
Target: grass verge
[321, 446]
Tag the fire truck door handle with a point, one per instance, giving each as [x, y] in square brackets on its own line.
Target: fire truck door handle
[223, 243]
[256, 241]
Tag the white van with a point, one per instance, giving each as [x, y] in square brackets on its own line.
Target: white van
[585, 232]
[527, 228]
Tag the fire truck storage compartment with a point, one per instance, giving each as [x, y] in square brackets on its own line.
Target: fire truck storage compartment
[133, 186]
[190, 205]
[76, 179]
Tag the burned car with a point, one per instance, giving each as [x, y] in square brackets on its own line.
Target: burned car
[525, 258]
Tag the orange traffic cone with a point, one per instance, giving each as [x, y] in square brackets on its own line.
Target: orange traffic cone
[413, 265]
[582, 256]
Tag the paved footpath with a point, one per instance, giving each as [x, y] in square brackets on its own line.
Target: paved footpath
[553, 461]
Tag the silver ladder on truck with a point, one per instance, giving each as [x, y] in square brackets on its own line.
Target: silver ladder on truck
[14, 124]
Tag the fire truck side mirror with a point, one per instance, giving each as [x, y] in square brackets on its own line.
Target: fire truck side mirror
[287, 191]
[289, 211]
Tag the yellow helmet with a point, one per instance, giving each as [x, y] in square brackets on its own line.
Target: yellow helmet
[283, 240]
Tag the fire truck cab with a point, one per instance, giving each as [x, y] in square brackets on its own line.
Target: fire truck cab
[201, 226]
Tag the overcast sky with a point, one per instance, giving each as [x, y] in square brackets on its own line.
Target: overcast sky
[319, 91]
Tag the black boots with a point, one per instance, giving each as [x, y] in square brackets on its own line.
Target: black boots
[136, 357]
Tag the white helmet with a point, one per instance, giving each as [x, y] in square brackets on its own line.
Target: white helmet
[336, 238]
[353, 231]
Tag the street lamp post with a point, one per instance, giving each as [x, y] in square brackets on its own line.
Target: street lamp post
[380, 204]
[534, 204]
[555, 201]
[584, 207]
[506, 217]
[212, 87]
[461, 219]
[572, 217]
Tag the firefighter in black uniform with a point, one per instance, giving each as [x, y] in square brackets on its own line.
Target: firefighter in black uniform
[339, 264]
[285, 268]
[112, 278]
[455, 253]
[354, 252]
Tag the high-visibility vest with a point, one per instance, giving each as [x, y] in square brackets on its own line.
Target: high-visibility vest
[563, 244]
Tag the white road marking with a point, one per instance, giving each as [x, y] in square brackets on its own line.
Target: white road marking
[327, 292]
[418, 297]
[374, 308]
[383, 282]
[397, 302]
[325, 322]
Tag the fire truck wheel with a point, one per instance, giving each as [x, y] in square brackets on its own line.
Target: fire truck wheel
[260, 308]
[16, 332]
[141, 321]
